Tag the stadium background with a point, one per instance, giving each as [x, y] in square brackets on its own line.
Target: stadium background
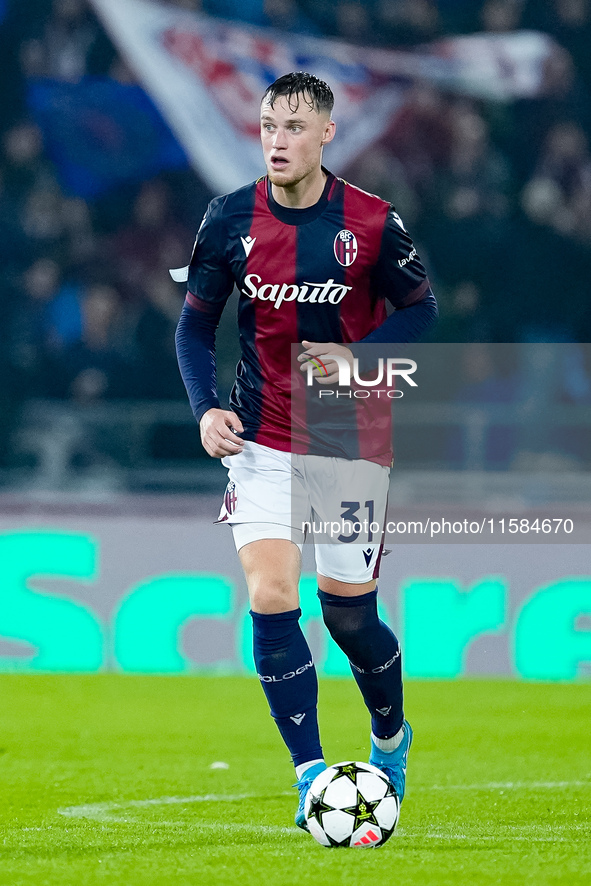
[109, 559]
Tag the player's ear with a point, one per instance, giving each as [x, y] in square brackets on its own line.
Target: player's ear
[329, 132]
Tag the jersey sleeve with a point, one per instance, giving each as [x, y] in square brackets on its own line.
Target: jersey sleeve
[210, 280]
[209, 284]
[398, 274]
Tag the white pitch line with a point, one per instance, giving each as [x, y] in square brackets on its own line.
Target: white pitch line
[504, 786]
[226, 827]
[115, 811]
[101, 811]
[489, 838]
[218, 827]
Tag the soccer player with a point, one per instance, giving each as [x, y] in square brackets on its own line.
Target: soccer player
[315, 261]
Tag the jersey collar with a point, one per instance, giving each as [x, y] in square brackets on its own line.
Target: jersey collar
[290, 216]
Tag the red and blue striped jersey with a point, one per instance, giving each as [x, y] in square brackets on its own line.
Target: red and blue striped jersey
[324, 274]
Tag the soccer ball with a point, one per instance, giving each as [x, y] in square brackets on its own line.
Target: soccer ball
[352, 804]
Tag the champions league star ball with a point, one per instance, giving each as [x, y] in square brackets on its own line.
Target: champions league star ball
[352, 804]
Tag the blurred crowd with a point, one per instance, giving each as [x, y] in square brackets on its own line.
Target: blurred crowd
[498, 198]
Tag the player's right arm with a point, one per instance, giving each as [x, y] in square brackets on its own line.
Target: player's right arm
[209, 285]
[217, 428]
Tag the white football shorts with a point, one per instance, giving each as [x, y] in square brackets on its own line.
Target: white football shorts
[340, 503]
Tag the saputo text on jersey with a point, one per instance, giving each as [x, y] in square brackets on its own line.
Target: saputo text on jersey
[314, 293]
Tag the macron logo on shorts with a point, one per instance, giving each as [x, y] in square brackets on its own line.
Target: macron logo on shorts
[368, 555]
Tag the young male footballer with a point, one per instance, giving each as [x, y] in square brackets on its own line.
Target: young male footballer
[315, 261]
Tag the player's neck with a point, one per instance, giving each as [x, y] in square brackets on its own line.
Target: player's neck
[302, 194]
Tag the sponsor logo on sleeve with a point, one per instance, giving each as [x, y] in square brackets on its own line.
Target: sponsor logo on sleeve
[404, 261]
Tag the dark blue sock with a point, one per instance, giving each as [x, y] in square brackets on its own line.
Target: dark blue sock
[288, 677]
[374, 655]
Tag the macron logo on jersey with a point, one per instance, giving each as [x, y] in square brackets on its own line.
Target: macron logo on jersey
[314, 293]
[398, 220]
[248, 243]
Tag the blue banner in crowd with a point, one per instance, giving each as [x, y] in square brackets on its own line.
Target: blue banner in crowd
[101, 133]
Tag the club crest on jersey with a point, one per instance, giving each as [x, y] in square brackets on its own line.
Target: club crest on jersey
[345, 248]
[230, 498]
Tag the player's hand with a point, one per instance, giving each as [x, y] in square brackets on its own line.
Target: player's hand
[218, 433]
[325, 369]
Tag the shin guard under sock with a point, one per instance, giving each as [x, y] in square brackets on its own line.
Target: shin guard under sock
[285, 668]
[374, 655]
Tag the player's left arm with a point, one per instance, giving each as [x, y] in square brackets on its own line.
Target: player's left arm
[400, 277]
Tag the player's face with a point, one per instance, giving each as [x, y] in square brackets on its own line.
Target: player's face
[292, 139]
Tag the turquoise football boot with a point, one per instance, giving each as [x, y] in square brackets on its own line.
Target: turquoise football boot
[303, 786]
[394, 764]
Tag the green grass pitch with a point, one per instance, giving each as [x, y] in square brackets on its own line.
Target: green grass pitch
[108, 779]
